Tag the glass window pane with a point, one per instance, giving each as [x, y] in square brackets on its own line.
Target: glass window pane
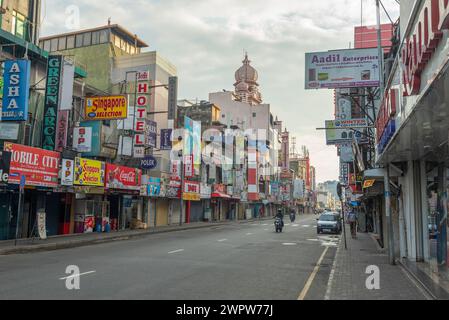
[104, 36]
[62, 43]
[87, 39]
[54, 45]
[79, 40]
[47, 45]
[96, 37]
[70, 42]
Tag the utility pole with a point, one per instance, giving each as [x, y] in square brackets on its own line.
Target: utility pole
[340, 195]
[381, 53]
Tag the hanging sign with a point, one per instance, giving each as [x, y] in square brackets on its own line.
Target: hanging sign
[16, 88]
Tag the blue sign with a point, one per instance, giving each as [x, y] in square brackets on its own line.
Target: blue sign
[16, 90]
[23, 180]
[166, 143]
[389, 132]
[154, 187]
[148, 163]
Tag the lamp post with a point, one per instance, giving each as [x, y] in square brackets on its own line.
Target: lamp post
[181, 204]
[340, 195]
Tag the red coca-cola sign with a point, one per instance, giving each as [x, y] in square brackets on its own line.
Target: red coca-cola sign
[119, 177]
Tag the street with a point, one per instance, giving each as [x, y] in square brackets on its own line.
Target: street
[233, 262]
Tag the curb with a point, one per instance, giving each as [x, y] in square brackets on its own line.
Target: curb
[119, 237]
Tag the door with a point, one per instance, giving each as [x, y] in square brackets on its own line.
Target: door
[4, 216]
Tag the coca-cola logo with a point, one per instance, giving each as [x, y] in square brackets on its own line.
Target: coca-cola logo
[128, 176]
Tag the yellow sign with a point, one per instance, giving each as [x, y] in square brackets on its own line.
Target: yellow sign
[89, 172]
[368, 184]
[106, 108]
[191, 197]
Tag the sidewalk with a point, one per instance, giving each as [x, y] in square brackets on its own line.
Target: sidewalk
[77, 240]
[348, 278]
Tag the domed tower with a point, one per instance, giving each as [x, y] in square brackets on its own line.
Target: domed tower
[246, 86]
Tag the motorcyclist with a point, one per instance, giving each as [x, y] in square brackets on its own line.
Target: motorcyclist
[292, 215]
[280, 215]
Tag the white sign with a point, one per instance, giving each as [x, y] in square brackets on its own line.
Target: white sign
[9, 131]
[41, 224]
[343, 131]
[350, 68]
[139, 152]
[67, 172]
[125, 146]
[68, 74]
[82, 139]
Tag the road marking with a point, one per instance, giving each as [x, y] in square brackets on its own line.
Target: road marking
[312, 276]
[176, 251]
[265, 229]
[249, 234]
[77, 275]
[295, 225]
[331, 276]
[314, 240]
[305, 226]
[265, 224]
[289, 244]
[222, 240]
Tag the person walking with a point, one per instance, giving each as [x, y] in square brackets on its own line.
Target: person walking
[352, 219]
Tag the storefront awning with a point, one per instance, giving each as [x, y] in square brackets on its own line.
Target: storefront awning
[220, 195]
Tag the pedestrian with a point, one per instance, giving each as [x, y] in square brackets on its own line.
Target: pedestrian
[352, 219]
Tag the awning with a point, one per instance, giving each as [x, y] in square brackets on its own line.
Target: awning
[220, 195]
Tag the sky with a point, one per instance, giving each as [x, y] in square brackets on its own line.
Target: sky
[206, 41]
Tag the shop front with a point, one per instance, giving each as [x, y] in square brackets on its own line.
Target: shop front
[220, 203]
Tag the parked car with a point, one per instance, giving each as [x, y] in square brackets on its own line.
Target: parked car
[329, 222]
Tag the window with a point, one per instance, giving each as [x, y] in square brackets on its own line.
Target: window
[54, 45]
[104, 36]
[70, 42]
[19, 25]
[117, 41]
[95, 37]
[79, 40]
[62, 43]
[254, 114]
[87, 40]
[47, 45]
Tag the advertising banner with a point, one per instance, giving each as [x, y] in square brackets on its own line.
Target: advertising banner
[82, 139]
[40, 167]
[166, 143]
[67, 172]
[350, 68]
[343, 131]
[346, 154]
[151, 133]
[154, 187]
[51, 108]
[61, 130]
[106, 108]
[68, 75]
[16, 88]
[89, 172]
[298, 189]
[192, 191]
[119, 177]
[188, 166]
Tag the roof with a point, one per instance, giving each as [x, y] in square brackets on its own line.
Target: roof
[114, 27]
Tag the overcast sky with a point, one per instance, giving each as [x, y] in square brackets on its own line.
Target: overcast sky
[206, 39]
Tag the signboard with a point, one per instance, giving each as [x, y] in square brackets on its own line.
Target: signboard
[166, 143]
[151, 133]
[52, 92]
[148, 163]
[41, 224]
[175, 169]
[9, 131]
[205, 191]
[299, 189]
[340, 132]
[68, 75]
[82, 139]
[40, 167]
[16, 90]
[106, 108]
[345, 152]
[368, 183]
[67, 172]
[89, 172]
[61, 130]
[154, 187]
[192, 191]
[188, 166]
[352, 68]
[5, 161]
[172, 97]
[119, 177]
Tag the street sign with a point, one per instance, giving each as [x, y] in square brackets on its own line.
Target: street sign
[148, 163]
[22, 182]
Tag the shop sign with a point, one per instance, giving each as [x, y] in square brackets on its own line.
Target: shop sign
[191, 191]
[16, 88]
[67, 172]
[389, 132]
[219, 188]
[119, 177]
[188, 166]
[89, 172]
[82, 139]
[387, 111]
[175, 169]
[52, 94]
[206, 191]
[151, 134]
[154, 187]
[166, 143]
[368, 183]
[5, 160]
[61, 131]
[40, 167]
[106, 108]
[9, 131]
[148, 163]
[343, 131]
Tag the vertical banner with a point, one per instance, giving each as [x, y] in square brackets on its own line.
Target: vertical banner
[16, 88]
[166, 143]
[172, 97]
[67, 177]
[61, 130]
[196, 146]
[68, 76]
[51, 102]
[151, 133]
[82, 139]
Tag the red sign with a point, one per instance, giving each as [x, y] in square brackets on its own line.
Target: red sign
[219, 188]
[388, 110]
[118, 177]
[421, 44]
[39, 166]
[191, 187]
[188, 166]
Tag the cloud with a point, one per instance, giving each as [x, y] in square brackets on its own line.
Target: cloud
[206, 39]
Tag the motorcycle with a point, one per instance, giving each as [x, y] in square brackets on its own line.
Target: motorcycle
[292, 217]
[278, 225]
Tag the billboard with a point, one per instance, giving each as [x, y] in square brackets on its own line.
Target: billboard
[89, 172]
[67, 172]
[82, 139]
[52, 99]
[119, 177]
[299, 189]
[351, 68]
[343, 131]
[16, 88]
[106, 108]
[39, 166]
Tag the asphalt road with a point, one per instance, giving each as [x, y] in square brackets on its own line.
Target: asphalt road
[231, 262]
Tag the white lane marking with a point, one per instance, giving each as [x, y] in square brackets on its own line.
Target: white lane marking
[314, 240]
[309, 282]
[77, 275]
[265, 229]
[249, 234]
[306, 226]
[265, 224]
[289, 244]
[176, 251]
[222, 240]
[330, 282]
[295, 225]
